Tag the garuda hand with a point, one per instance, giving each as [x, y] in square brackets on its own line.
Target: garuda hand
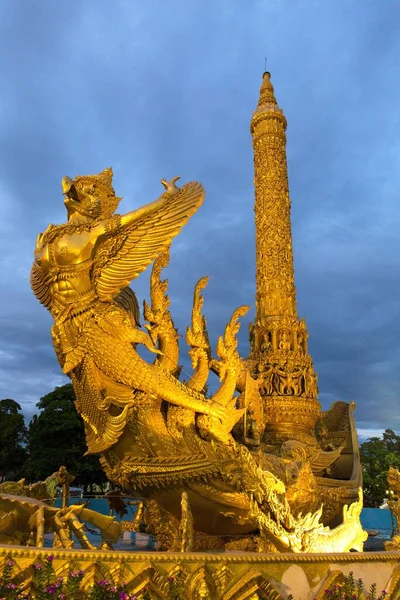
[171, 186]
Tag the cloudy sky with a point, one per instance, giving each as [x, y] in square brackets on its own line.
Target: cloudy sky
[158, 88]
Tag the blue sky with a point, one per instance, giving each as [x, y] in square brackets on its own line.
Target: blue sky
[156, 89]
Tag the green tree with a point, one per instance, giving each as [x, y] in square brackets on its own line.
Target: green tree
[12, 439]
[56, 437]
[377, 455]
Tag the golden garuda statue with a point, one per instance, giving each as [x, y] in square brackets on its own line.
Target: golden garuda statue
[255, 465]
[81, 273]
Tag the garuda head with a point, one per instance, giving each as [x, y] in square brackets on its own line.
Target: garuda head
[91, 196]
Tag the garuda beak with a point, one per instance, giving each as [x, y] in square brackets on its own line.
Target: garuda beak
[71, 192]
[66, 184]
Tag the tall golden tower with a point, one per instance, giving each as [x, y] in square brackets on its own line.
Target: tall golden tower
[278, 338]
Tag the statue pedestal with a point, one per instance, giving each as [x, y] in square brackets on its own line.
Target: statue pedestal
[233, 576]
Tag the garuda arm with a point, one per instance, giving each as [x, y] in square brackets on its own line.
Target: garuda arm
[135, 239]
[132, 217]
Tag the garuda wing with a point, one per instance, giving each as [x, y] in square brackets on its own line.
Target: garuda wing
[126, 254]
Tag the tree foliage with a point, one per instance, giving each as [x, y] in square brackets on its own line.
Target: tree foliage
[377, 455]
[12, 439]
[56, 437]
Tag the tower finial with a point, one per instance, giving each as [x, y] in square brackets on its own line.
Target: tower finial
[267, 94]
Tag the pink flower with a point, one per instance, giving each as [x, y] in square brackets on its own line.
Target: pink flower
[38, 567]
[10, 563]
[75, 574]
[50, 589]
[50, 558]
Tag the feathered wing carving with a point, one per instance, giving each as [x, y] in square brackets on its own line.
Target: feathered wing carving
[40, 286]
[122, 257]
[128, 301]
[94, 394]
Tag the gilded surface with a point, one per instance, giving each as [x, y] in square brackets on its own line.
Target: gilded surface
[41, 490]
[324, 444]
[214, 576]
[25, 521]
[288, 383]
[248, 466]
[394, 505]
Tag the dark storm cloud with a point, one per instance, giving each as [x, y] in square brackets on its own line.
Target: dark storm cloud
[157, 89]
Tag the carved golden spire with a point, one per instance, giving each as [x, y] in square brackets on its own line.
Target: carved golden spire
[278, 338]
[276, 294]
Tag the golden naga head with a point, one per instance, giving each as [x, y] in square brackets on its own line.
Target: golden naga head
[92, 196]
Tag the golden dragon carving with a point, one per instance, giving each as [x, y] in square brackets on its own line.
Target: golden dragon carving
[160, 324]
[198, 341]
